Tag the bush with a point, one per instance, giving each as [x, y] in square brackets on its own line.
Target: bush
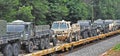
[117, 47]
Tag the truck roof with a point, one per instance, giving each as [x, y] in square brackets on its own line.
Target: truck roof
[84, 20]
[109, 20]
[117, 21]
[20, 22]
[62, 21]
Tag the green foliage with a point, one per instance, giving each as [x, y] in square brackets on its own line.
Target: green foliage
[24, 13]
[47, 11]
[117, 47]
[8, 9]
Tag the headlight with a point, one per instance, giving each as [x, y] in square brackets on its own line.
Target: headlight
[26, 35]
[53, 35]
[21, 35]
[65, 32]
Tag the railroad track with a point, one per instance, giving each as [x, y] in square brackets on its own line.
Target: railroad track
[77, 48]
[67, 46]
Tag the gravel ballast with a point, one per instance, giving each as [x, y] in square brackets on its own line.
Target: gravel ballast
[98, 48]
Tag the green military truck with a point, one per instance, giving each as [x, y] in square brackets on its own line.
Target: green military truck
[102, 27]
[9, 43]
[87, 29]
[19, 35]
[112, 25]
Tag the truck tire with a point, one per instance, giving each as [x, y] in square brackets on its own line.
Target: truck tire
[16, 49]
[85, 34]
[90, 33]
[95, 33]
[42, 44]
[7, 51]
[54, 40]
[76, 37]
[69, 39]
[29, 47]
[47, 43]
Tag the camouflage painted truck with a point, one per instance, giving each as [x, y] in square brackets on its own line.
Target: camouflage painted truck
[30, 37]
[112, 25]
[117, 23]
[9, 43]
[101, 26]
[87, 29]
[65, 31]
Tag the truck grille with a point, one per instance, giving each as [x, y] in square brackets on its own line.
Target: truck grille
[58, 32]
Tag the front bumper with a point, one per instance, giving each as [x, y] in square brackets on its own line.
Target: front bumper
[61, 37]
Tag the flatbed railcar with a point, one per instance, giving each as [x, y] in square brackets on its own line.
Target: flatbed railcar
[68, 46]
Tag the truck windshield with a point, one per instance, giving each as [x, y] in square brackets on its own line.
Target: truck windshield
[108, 22]
[55, 26]
[99, 22]
[15, 28]
[63, 25]
[59, 26]
[84, 23]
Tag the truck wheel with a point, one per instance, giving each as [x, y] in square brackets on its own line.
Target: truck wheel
[76, 37]
[54, 41]
[42, 44]
[90, 33]
[29, 47]
[85, 34]
[47, 43]
[16, 49]
[95, 33]
[69, 39]
[7, 51]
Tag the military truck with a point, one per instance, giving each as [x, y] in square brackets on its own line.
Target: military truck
[112, 24]
[101, 26]
[86, 28]
[117, 23]
[30, 38]
[9, 43]
[65, 31]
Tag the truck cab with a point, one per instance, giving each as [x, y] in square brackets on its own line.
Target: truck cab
[65, 31]
[84, 24]
[61, 29]
[101, 26]
[112, 24]
[86, 28]
[25, 29]
[117, 23]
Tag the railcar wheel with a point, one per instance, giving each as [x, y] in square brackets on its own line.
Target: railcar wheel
[16, 49]
[7, 51]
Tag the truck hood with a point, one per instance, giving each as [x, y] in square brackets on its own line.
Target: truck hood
[57, 31]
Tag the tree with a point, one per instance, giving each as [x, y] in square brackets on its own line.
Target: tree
[24, 13]
[57, 10]
[77, 10]
[8, 9]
